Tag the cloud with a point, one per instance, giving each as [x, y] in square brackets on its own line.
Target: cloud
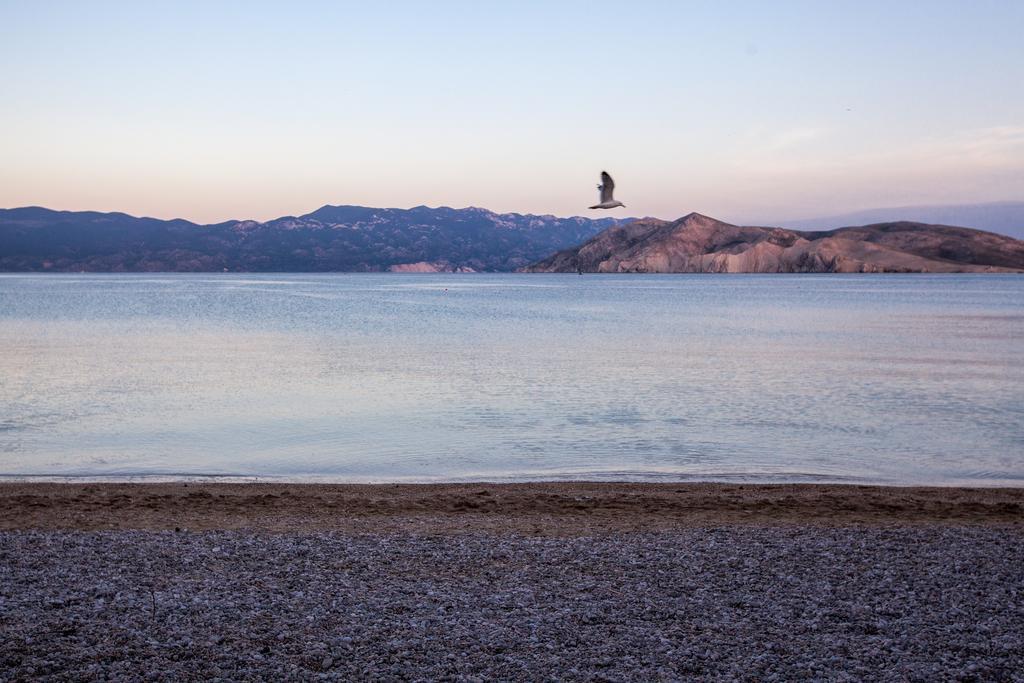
[994, 146]
[792, 137]
[808, 170]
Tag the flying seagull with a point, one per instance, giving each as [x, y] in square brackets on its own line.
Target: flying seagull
[607, 186]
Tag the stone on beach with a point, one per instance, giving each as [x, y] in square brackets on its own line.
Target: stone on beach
[773, 603]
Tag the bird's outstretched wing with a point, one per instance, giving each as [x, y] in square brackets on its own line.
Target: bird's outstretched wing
[607, 187]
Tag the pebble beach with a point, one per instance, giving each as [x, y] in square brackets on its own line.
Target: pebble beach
[641, 591]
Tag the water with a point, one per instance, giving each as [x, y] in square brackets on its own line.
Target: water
[888, 379]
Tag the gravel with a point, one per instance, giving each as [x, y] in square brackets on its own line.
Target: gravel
[756, 603]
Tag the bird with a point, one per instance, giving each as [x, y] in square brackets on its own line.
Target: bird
[606, 187]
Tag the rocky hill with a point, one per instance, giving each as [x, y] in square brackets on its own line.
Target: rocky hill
[699, 244]
[332, 238]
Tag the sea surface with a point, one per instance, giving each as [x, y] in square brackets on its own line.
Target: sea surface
[890, 379]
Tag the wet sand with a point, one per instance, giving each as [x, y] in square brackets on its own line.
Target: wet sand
[563, 509]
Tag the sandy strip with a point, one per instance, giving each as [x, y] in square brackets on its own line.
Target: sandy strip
[564, 509]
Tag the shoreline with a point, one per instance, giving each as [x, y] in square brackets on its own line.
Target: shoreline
[543, 508]
[463, 582]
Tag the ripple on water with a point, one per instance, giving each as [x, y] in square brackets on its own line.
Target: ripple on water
[880, 379]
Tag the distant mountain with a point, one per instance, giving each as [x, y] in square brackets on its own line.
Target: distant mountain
[697, 244]
[332, 238]
[1006, 218]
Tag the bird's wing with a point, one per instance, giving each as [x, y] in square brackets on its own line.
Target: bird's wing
[607, 187]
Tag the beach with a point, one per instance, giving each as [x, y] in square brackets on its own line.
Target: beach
[559, 508]
[546, 581]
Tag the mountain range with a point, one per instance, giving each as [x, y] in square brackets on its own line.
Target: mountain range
[332, 238]
[423, 239]
[1006, 218]
[699, 244]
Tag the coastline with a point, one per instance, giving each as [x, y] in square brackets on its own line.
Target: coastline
[555, 508]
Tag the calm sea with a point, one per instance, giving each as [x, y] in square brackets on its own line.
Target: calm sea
[343, 377]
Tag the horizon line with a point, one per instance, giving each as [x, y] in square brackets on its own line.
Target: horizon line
[769, 223]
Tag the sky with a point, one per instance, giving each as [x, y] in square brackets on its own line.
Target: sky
[746, 111]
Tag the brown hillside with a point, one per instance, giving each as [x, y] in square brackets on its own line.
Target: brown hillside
[699, 244]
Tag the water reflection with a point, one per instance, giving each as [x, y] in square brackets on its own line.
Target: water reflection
[893, 379]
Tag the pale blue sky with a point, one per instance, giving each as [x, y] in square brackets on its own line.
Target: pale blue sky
[746, 110]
